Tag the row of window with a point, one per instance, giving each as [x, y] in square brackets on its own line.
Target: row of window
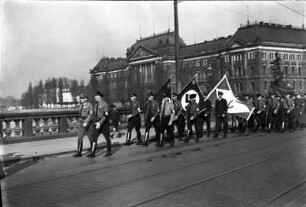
[296, 85]
[239, 58]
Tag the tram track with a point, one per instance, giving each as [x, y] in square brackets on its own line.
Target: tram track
[154, 157]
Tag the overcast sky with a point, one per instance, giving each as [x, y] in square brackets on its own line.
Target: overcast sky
[41, 39]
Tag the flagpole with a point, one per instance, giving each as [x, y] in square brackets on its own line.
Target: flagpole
[190, 80]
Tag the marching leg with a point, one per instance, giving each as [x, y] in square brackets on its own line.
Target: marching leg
[93, 150]
[79, 150]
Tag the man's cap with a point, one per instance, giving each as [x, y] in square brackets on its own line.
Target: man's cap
[133, 95]
[246, 95]
[99, 93]
[193, 95]
[151, 94]
[220, 93]
[83, 95]
[258, 95]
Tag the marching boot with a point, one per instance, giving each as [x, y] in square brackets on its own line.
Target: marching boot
[283, 127]
[187, 136]
[108, 153]
[128, 139]
[79, 150]
[146, 139]
[160, 142]
[269, 127]
[89, 149]
[93, 150]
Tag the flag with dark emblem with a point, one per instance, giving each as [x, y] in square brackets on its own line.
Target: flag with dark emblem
[191, 88]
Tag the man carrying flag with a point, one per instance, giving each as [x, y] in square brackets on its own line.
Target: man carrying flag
[192, 101]
[234, 105]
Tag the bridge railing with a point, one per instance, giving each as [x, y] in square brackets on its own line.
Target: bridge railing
[41, 123]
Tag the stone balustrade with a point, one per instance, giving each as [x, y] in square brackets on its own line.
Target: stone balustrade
[41, 123]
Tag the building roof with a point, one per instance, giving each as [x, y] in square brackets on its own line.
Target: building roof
[110, 64]
[155, 42]
[265, 33]
[206, 47]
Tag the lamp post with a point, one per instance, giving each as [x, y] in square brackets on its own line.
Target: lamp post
[177, 47]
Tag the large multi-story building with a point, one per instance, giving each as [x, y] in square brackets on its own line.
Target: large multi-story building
[245, 56]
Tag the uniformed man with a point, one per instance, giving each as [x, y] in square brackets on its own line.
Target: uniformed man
[84, 126]
[260, 114]
[179, 119]
[100, 124]
[221, 108]
[273, 113]
[249, 124]
[300, 107]
[205, 113]
[152, 118]
[289, 107]
[167, 114]
[192, 118]
[134, 120]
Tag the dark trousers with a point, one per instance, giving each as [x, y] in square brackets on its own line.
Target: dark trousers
[164, 126]
[290, 118]
[198, 125]
[260, 120]
[155, 123]
[206, 120]
[104, 129]
[221, 121]
[180, 125]
[135, 122]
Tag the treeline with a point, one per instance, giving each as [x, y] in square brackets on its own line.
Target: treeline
[50, 92]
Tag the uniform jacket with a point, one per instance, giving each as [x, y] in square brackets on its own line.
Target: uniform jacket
[260, 105]
[221, 107]
[86, 112]
[207, 107]
[192, 109]
[101, 111]
[152, 109]
[135, 107]
[289, 104]
[177, 107]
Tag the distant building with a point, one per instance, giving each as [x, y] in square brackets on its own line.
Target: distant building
[245, 56]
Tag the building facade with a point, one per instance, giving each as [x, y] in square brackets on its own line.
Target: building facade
[245, 56]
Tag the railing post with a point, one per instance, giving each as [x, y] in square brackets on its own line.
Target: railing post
[27, 127]
[1, 128]
[62, 125]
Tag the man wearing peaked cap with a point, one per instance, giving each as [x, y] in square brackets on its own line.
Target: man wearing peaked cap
[221, 115]
[179, 119]
[134, 120]
[205, 114]
[192, 118]
[84, 127]
[152, 118]
[100, 124]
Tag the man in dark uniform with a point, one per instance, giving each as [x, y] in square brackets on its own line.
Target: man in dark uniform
[84, 126]
[249, 124]
[100, 124]
[300, 107]
[221, 115]
[167, 118]
[179, 119]
[192, 118]
[205, 114]
[152, 118]
[134, 120]
[289, 106]
[273, 114]
[260, 108]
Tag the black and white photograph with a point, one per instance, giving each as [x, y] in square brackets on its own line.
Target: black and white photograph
[152, 103]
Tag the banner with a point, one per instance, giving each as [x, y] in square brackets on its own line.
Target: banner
[165, 90]
[234, 105]
[191, 88]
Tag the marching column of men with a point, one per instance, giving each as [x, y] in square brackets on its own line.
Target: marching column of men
[276, 113]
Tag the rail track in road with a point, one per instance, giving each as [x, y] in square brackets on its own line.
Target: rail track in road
[186, 165]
